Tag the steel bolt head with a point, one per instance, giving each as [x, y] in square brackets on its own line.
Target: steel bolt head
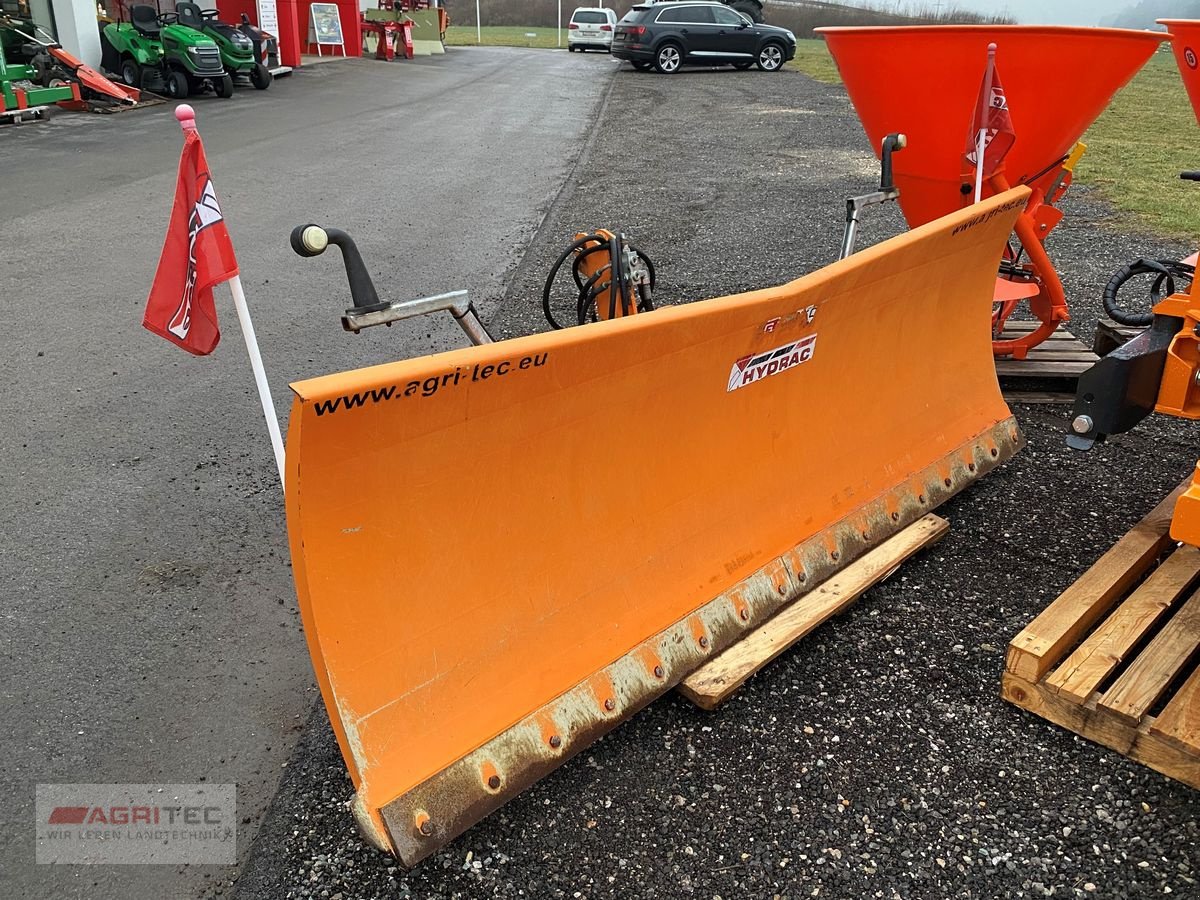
[494, 782]
[947, 482]
[555, 741]
[921, 498]
[703, 641]
[835, 556]
[610, 704]
[658, 671]
[1082, 424]
[745, 614]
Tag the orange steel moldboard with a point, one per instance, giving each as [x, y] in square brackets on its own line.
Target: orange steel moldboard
[489, 579]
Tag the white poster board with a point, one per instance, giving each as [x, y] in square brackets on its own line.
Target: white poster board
[268, 17]
[325, 27]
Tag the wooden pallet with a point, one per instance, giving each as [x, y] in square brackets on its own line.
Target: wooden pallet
[1114, 658]
[717, 680]
[1060, 359]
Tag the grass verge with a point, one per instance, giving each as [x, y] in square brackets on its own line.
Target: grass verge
[504, 36]
[1136, 149]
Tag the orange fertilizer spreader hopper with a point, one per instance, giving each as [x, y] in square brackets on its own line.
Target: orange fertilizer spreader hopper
[925, 82]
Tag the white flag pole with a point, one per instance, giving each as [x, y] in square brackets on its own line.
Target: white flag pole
[260, 373]
[186, 116]
[980, 144]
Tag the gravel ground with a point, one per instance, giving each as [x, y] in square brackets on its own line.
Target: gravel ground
[875, 759]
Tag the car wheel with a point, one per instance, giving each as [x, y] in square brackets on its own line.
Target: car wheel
[131, 72]
[223, 86]
[743, 66]
[175, 85]
[668, 59]
[570, 48]
[770, 57]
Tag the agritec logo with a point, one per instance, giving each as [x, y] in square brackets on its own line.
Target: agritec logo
[750, 369]
[137, 823]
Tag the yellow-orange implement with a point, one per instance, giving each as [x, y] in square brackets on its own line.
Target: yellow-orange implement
[503, 551]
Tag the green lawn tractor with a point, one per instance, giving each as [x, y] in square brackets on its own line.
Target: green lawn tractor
[154, 51]
[237, 49]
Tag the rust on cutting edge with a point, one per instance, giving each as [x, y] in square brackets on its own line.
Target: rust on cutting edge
[454, 799]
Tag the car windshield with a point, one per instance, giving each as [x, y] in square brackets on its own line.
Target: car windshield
[589, 16]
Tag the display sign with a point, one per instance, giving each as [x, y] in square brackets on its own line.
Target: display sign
[326, 27]
[268, 17]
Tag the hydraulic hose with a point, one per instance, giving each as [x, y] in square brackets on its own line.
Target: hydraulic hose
[1166, 272]
[612, 275]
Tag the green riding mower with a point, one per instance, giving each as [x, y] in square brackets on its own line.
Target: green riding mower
[157, 52]
[237, 49]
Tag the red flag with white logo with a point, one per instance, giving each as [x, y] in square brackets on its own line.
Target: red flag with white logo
[991, 115]
[197, 255]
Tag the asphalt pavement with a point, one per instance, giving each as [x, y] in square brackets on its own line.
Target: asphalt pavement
[875, 759]
[149, 628]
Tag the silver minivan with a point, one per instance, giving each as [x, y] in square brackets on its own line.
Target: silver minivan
[591, 27]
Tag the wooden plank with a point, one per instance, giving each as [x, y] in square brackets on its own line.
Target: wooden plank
[1032, 368]
[714, 682]
[1060, 626]
[1024, 326]
[1038, 397]
[1060, 354]
[1140, 686]
[1108, 646]
[1179, 723]
[1139, 744]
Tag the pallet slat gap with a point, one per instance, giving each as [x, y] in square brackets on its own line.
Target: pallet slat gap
[1106, 648]
[1141, 685]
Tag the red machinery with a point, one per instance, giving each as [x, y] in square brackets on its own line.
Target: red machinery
[929, 92]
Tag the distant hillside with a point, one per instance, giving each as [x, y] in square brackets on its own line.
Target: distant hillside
[799, 15]
[1143, 13]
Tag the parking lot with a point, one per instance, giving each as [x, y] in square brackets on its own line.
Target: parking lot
[152, 626]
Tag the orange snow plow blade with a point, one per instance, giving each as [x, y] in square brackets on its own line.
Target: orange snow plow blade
[503, 551]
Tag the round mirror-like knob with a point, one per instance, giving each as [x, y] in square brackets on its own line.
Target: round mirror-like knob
[309, 240]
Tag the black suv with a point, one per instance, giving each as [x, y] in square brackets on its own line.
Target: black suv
[674, 34]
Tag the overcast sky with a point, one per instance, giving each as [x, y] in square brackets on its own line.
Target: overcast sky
[1050, 12]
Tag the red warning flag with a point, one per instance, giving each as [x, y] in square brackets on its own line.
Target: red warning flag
[991, 115]
[197, 255]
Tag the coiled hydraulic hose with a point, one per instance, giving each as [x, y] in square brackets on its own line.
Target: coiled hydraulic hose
[592, 289]
[1166, 272]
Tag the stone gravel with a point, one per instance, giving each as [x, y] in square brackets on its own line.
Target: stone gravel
[875, 759]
